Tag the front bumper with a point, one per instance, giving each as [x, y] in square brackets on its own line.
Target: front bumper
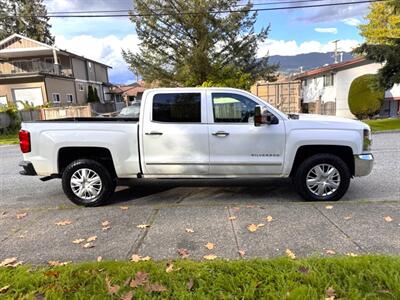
[363, 164]
[28, 168]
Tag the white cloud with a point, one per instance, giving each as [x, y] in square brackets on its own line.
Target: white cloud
[282, 47]
[332, 30]
[352, 21]
[106, 50]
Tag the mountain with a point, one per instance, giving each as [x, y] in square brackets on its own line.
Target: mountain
[307, 61]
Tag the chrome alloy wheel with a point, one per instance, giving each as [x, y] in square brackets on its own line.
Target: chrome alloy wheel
[323, 180]
[86, 184]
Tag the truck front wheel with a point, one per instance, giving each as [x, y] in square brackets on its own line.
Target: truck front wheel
[322, 177]
[87, 182]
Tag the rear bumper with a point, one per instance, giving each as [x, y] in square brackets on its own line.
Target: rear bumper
[28, 168]
[363, 164]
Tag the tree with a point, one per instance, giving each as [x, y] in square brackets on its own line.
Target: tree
[195, 42]
[27, 17]
[382, 34]
[365, 100]
[95, 95]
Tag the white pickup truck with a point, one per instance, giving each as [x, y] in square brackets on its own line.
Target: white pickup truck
[197, 133]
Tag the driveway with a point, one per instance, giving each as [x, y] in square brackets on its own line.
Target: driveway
[189, 214]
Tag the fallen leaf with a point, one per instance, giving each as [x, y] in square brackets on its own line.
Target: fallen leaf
[3, 213]
[352, 254]
[8, 261]
[260, 225]
[242, 253]
[105, 223]
[210, 257]
[63, 223]
[135, 258]
[250, 206]
[127, 296]
[330, 293]
[330, 252]
[111, 289]
[290, 254]
[78, 241]
[4, 289]
[348, 217]
[91, 239]
[232, 218]
[143, 226]
[388, 219]
[252, 227]
[146, 258]
[189, 230]
[269, 219]
[170, 267]
[304, 270]
[106, 228]
[209, 246]
[52, 273]
[183, 252]
[190, 284]
[123, 207]
[328, 207]
[21, 215]
[56, 263]
[139, 280]
[99, 259]
[88, 245]
[155, 287]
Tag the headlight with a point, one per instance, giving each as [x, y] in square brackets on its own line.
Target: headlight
[367, 140]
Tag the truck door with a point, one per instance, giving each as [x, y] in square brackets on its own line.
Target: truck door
[237, 147]
[175, 134]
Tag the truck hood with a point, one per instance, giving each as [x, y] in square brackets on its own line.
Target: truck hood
[327, 122]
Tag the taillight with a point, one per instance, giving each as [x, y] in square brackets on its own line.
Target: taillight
[25, 141]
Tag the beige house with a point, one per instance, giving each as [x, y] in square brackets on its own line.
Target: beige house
[38, 73]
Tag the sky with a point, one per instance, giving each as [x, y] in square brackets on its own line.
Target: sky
[292, 31]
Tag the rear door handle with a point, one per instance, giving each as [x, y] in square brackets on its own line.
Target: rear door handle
[220, 133]
[154, 133]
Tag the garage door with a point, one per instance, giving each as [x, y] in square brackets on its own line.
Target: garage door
[32, 95]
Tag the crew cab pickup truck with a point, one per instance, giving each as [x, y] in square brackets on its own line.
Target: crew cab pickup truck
[197, 133]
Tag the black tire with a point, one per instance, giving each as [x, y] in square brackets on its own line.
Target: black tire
[300, 178]
[108, 183]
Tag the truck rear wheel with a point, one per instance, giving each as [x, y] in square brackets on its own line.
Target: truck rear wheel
[322, 177]
[87, 182]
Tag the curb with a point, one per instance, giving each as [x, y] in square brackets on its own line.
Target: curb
[387, 131]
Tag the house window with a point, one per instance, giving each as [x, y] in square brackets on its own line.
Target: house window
[56, 98]
[80, 86]
[70, 98]
[328, 80]
[177, 108]
[90, 65]
[305, 82]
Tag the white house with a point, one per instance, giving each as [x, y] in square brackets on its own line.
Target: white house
[325, 90]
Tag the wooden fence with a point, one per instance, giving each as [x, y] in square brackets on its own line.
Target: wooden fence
[65, 112]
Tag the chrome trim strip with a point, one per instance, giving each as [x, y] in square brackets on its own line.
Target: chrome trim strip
[216, 164]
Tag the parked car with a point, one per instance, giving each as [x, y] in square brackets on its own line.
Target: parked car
[198, 133]
[131, 111]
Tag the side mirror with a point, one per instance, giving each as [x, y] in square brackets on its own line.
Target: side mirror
[263, 116]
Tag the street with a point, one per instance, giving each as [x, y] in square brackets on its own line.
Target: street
[366, 220]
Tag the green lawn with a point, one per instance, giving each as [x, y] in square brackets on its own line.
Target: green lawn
[367, 277]
[11, 138]
[383, 124]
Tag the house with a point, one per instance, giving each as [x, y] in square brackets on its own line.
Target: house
[284, 94]
[42, 74]
[127, 93]
[325, 90]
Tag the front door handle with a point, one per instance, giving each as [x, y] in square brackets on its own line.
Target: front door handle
[220, 133]
[154, 133]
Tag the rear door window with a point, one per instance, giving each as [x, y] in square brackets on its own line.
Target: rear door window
[177, 108]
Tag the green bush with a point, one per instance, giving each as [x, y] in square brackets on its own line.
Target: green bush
[365, 98]
[92, 95]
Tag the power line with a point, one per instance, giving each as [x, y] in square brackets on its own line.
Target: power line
[236, 5]
[108, 15]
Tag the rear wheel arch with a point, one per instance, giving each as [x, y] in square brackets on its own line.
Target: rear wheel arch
[102, 155]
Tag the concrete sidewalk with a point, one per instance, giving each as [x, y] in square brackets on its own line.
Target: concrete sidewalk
[304, 228]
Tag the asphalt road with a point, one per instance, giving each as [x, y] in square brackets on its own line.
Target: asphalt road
[355, 224]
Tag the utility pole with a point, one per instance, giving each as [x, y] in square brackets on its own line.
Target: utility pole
[336, 54]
